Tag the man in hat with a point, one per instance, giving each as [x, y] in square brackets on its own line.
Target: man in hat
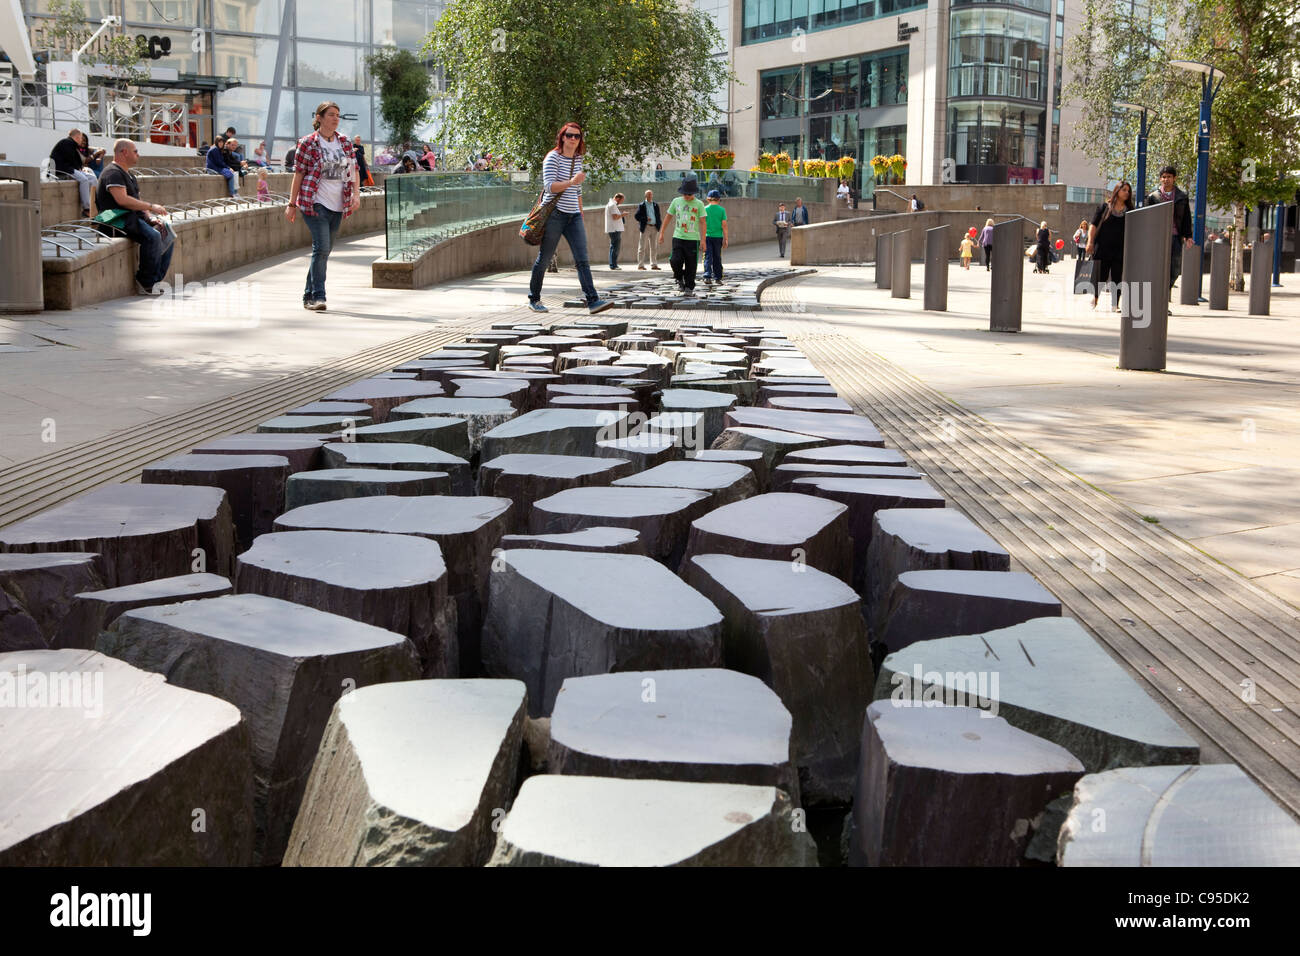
[1168, 191]
[688, 233]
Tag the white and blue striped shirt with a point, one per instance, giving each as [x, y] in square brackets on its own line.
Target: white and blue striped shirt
[555, 169]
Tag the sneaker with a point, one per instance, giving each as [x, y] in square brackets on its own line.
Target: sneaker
[642, 268]
[142, 289]
[538, 307]
[600, 305]
[613, 269]
[309, 304]
[318, 305]
[655, 268]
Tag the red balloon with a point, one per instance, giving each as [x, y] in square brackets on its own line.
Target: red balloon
[972, 232]
[1060, 243]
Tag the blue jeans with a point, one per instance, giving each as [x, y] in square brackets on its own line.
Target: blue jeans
[713, 257]
[154, 263]
[570, 226]
[323, 226]
[230, 179]
[615, 244]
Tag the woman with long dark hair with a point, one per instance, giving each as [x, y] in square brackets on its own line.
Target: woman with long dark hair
[1043, 252]
[562, 177]
[1106, 242]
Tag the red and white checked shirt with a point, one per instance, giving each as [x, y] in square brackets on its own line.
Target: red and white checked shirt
[310, 160]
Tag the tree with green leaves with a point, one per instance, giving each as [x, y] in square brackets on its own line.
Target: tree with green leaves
[1255, 123]
[405, 92]
[636, 74]
[117, 50]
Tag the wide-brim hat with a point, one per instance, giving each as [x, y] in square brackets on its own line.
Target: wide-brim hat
[689, 187]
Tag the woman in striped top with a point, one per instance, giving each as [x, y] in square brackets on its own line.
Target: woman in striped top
[562, 177]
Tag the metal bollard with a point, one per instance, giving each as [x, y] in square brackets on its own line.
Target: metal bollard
[1144, 322]
[1006, 291]
[884, 245]
[1261, 275]
[936, 269]
[1220, 263]
[1189, 289]
[900, 262]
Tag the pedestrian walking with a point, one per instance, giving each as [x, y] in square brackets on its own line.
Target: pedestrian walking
[327, 189]
[1043, 250]
[1106, 242]
[799, 214]
[986, 242]
[715, 236]
[363, 168]
[688, 212]
[782, 223]
[562, 178]
[1168, 191]
[614, 228]
[649, 219]
[967, 250]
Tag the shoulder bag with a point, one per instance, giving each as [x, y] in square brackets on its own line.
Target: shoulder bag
[534, 226]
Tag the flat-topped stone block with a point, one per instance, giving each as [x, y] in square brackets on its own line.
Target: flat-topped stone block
[662, 516]
[848, 456]
[301, 451]
[811, 403]
[38, 599]
[837, 429]
[555, 344]
[924, 605]
[467, 528]
[412, 774]
[801, 632]
[864, 497]
[548, 620]
[331, 484]
[785, 473]
[1050, 678]
[685, 428]
[780, 527]
[537, 378]
[383, 395]
[141, 532]
[1193, 816]
[90, 784]
[602, 540]
[554, 431]
[725, 481]
[525, 479]
[658, 368]
[480, 415]
[793, 391]
[559, 820]
[437, 370]
[254, 485]
[923, 539]
[772, 443]
[584, 356]
[949, 786]
[400, 456]
[644, 450]
[446, 434]
[97, 610]
[610, 403]
[753, 460]
[326, 424]
[602, 374]
[283, 665]
[333, 409]
[707, 725]
[396, 582]
[713, 405]
[512, 390]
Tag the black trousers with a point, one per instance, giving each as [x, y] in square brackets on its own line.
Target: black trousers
[988, 257]
[685, 258]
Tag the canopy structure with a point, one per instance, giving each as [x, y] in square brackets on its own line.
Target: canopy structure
[13, 38]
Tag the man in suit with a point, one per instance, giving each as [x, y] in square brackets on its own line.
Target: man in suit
[782, 223]
[800, 213]
[649, 219]
[1168, 191]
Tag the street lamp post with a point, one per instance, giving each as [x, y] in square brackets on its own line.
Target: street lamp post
[1209, 88]
[1279, 230]
[1143, 131]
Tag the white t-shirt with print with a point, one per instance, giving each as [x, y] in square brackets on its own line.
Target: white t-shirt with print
[336, 168]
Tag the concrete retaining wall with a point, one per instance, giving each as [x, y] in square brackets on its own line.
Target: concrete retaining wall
[854, 240]
[1032, 202]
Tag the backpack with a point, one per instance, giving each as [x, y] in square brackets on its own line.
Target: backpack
[919, 205]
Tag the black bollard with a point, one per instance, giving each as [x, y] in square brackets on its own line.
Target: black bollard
[1144, 322]
[936, 269]
[900, 261]
[1261, 275]
[1006, 291]
[884, 245]
[1189, 288]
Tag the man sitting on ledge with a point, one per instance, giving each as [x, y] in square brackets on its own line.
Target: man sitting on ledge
[118, 189]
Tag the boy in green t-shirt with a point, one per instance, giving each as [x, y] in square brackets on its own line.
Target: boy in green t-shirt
[686, 213]
[715, 237]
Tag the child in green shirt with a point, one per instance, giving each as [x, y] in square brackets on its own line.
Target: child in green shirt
[685, 215]
[715, 236]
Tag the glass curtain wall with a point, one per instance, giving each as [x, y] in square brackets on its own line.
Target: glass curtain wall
[772, 19]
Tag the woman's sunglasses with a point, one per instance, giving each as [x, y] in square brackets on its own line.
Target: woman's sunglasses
[573, 136]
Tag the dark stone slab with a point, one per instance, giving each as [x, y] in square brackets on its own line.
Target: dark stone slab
[595, 402]
[446, 434]
[644, 450]
[923, 539]
[1048, 677]
[92, 785]
[97, 610]
[948, 786]
[725, 481]
[301, 451]
[528, 478]
[753, 460]
[395, 582]
[513, 390]
[254, 485]
[801, 632]
[864, 497]
[467, 529]
[711, 404]
[686, 429]
[828, 405]
[924, 605]
[662, 516]
[796, 529]
[283, 665]
[412, 774]
[401, 457]
[788, 471]
[554, 431]
[602, 540]
[331, 484]
[142, 532]
[546, 622]
[328, 424]
[601, 374]
[839, 429]
[384, 394]
[332, 409]
[848, 455]
[537, 381]
[706, 725]
[1198, 816]
[38, 600]
[584, 356]
[773, 444]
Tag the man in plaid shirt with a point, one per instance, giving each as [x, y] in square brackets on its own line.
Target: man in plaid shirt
[326, 188]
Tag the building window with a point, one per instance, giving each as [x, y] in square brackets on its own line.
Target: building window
[770, 19]
[781, 93]
[997, 52]
[997, 142]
